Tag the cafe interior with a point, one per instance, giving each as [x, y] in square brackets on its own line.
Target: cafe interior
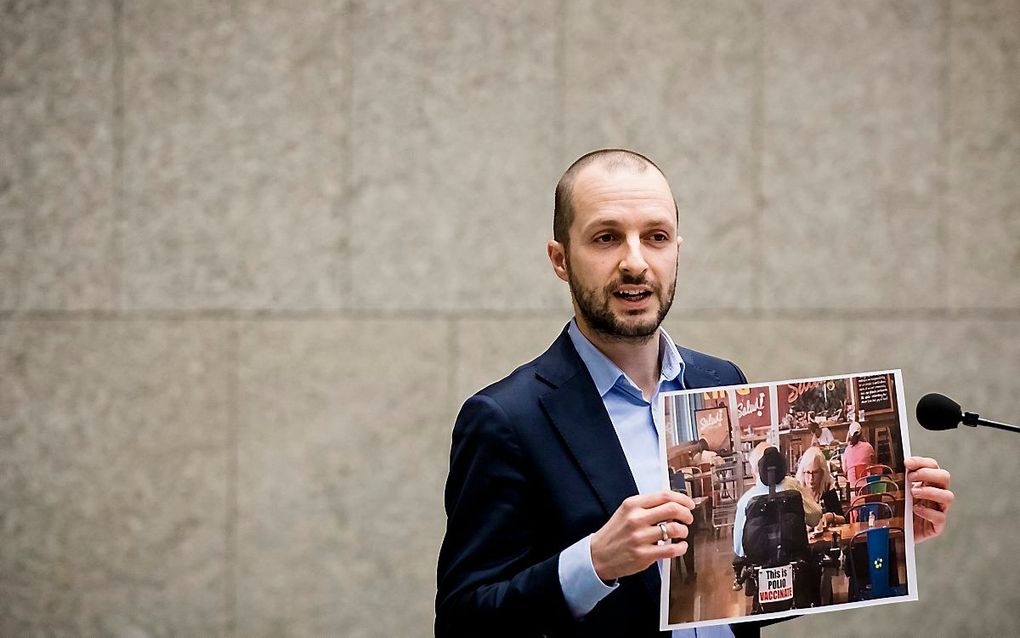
[858, 553]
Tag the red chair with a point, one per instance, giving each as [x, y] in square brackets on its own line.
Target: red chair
[855, 472]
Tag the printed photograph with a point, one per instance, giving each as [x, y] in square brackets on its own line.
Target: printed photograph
[799, 496]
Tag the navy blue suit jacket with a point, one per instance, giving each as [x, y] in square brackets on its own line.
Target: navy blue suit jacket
[535, 466]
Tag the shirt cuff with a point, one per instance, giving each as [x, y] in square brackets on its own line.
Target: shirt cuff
[582, 587]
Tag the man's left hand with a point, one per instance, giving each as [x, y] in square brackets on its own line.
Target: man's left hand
[929, 485]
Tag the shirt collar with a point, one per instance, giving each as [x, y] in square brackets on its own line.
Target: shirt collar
[606, 374]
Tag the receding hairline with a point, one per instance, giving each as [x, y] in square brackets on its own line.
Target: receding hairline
[610, 160]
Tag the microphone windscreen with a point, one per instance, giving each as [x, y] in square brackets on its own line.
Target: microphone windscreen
[938, 412]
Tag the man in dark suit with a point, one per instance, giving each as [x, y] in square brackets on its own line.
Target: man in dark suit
[556, 513]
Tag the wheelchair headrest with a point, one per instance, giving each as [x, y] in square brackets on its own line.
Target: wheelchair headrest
[771, 459]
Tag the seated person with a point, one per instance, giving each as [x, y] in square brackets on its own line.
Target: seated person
[694, 454]
[813, 473]
[812, 511]
[707, 456]
[826, 438]
[820, 436]
[682, 454]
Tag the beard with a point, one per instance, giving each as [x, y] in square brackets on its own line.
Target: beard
[593, 305]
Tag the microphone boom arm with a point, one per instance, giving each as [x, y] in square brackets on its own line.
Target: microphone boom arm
[973, 420]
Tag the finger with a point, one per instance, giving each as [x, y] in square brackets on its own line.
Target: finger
[668, 550]
[944, 498]
[665, 512]
[917, 462]
[653, 499]
[936, 477]
[673, 530]
[653, 534]
[933, 516]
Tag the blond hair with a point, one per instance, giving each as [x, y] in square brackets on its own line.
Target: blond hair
[811, 459]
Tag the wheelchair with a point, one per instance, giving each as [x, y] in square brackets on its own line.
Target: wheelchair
[780, 571]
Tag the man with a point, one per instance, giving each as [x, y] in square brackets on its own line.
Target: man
[557, 519]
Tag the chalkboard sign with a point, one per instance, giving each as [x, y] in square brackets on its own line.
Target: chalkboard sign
[874, 394]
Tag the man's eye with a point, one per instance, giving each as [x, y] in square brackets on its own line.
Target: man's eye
[605, 238]
[660, 237]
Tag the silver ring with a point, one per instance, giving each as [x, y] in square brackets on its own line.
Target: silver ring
[665, 534]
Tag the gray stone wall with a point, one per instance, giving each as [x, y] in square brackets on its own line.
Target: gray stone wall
[253, 255]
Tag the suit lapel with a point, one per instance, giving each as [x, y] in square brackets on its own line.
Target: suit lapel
[577, 412]
[694, 375]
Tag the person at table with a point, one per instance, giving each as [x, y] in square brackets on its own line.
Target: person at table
[812, 511]
[820, 436]
[814, 474]
[858, 454]
[687, 454]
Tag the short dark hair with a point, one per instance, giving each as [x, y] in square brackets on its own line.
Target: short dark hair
[612, 159]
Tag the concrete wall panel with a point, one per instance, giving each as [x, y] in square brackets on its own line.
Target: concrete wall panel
[115, 449]
[851, 169]
[56, 157]
[461, 109]
[982, 229]
[342, 450]
[235, 125]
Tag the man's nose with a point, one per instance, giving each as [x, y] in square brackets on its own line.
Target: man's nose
[633, 262]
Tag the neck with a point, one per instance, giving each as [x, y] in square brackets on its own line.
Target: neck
[638, 357]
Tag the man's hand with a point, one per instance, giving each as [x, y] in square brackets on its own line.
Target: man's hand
[930, 487]
[629, 542]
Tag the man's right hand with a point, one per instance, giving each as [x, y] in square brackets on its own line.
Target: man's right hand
[629, 542]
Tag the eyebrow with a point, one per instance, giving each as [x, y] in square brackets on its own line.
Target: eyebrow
[613, 221]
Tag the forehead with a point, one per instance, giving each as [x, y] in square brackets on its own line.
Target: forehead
[622, 194]
[815, 461]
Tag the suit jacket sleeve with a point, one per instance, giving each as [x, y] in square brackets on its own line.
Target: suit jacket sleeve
[492, 579]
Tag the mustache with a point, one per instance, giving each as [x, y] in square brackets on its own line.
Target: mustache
[632, 280]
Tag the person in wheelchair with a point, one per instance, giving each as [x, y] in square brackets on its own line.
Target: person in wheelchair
[773, 559]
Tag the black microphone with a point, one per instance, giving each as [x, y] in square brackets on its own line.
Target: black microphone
[939, 412]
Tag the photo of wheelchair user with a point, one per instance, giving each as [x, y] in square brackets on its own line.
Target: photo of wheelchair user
[803, 537]
[770, 535]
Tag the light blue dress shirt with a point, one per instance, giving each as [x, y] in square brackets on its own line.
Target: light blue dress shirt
[635, 422]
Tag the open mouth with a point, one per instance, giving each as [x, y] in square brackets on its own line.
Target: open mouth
[633, 295]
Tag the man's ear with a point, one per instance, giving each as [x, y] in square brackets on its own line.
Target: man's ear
[558, 258]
